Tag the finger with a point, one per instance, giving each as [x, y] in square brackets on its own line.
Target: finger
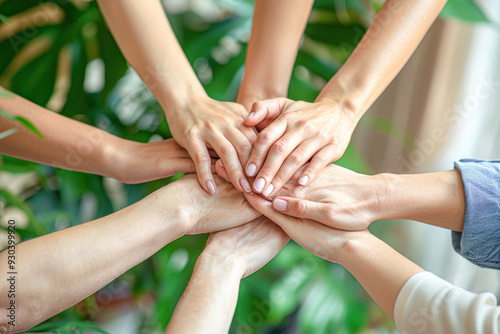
[199, 154]
[266, 109]
[264, 141]
[229, 157]
[322, 159]
[241, 143]
[295, 160]
[221, 171]
[279, 151]
[302, 208]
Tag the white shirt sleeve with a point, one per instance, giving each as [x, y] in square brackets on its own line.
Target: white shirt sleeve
[429, 304]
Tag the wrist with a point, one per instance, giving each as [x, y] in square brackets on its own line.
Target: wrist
[355, 244]
[182, 99]
[221, 265]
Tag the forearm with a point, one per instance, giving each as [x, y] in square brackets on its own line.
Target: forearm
[387, 45]
[145, 37]
[208, 304]
[60, 269]
[433, 198]
[277, 30]
[380, 269]
[67, 143]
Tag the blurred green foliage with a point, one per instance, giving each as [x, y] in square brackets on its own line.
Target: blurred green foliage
[296, 289]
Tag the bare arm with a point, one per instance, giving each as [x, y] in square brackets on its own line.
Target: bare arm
[277, 30]
[60, 269]
[210, 299]
[73, 145]
[321, 131]
[197, 122]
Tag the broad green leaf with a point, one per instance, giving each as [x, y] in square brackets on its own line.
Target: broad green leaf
[465, 10]
[5, 19]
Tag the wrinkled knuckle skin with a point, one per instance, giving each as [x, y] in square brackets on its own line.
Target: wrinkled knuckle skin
[301, 208]
[296, 158]
[265, 137]
[202, 159]
[265, 173]
[322, 158]
[280, 147]
[227, 150]
[246, 148]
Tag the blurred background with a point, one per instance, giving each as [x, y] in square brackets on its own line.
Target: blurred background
[442, 106]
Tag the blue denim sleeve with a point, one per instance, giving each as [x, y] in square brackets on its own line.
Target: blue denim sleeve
[480, 240]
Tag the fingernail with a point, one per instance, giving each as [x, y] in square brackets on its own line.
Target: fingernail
[303, 180]
[245, 185]
[251, 169]
[220, 163]
[280, 204]
[211, 186]
[268, 190]
[250, 115]
[259, 184]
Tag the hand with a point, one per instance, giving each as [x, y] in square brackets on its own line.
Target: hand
[248, 247]
[299, 131]
[338, 197]
[133, 162]
[208, 124]
[321, 240]
[202, 213]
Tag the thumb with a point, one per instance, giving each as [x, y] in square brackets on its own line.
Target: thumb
[302, 208]
[265, 110]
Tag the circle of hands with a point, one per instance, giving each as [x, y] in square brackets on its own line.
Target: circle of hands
[268, 177]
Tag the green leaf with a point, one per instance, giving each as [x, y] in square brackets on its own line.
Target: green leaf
[23, 121]
[347, 36]
[465, 10]
[5, 19]
[7, 133]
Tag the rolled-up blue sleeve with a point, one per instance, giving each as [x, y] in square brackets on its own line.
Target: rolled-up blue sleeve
[480, 240]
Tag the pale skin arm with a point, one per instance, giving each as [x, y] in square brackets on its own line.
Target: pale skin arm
[197, 122]
[321, 131]
[60, 269]
[277, 30]
[343, 199]
[73, 145]
[210, 298]
[380, 269]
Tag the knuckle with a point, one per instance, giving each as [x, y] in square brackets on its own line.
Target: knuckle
[265, 136]
[227, 150]
[301, 208]
[322, 158]
[266, 173]
[246, 148]
[280, 147]
[201, 158]
[296, 158]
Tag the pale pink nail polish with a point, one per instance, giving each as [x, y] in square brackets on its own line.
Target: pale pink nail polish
[268, 190]
[211, 186]
[259, 184]
[245, 185]
[280, 204]
[250, 115]
[251, 169]
[303, 180]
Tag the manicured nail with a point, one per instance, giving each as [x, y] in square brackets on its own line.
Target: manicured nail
[250, 115]
[303, 180]
[211, 186]
[251, 169]
[268, 190]
[280, 204]
[259, 184]
[220, 163]
[245, 185]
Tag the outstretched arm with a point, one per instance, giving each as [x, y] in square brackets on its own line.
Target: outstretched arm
[277, 30]
[197, 122]
[210, 298]
[60, 269]
[321, 131]
[417, 301]
[73, 145]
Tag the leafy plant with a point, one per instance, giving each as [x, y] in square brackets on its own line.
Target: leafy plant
[73, 37]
